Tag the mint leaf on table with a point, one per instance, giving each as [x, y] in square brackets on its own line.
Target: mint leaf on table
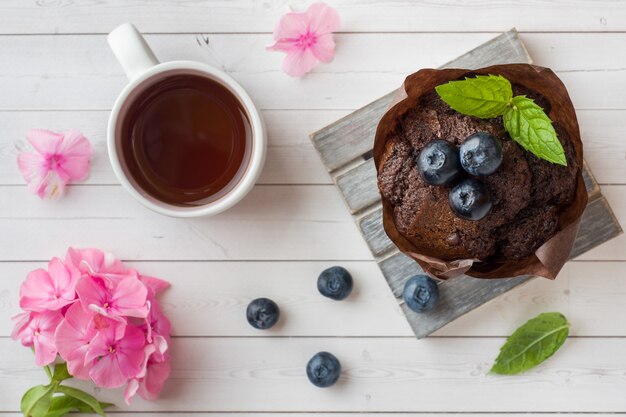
[532, 343]
[484, 96]
[530, 126]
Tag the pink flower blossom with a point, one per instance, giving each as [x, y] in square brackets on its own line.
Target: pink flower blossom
[39, 333]
[117, 359]
[155, 285]
[97, 263]
[149, 386]
[307, 38]
[127, 298]
[157, 373]
[102, 319]
[58, 159]
[19, 329]
[157, 328]
[51, 289]
[73, 336]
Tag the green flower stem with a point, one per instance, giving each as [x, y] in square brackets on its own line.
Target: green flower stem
[48, 371]
[57, 400]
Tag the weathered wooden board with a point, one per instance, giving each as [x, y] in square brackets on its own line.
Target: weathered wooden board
[345, 148]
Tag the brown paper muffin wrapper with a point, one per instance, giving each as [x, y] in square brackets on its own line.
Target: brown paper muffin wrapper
[548, 260]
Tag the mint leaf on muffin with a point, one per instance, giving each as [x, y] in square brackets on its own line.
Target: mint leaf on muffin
[489, 96]
[532, 343]
[530, 126]
[485, 96]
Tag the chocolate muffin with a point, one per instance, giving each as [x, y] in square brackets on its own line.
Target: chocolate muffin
[529, 195]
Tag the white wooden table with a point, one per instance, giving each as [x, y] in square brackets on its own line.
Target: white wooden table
[57, 72]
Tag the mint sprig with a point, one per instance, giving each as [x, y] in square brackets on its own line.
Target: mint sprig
[531, 127]
[485, 96]
[489, 96]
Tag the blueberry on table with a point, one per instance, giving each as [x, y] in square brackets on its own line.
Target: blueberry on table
[470, 200]
[481, 154]
[420, 293]
[262, 313]
[323, 369]
[335, 283]
[438, 162]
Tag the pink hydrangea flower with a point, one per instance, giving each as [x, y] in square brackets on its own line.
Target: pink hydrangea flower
[39, 333]
[150, 386]
[157, 328]
[128, 297]
[102, 319]
[307, 38]
[117, 359]
[155, 285]
[156, 368]
[19, 329]
[49, 290]
[73, 336]
[98, 264]
[58, 159]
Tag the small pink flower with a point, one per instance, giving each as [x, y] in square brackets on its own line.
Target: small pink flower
[149, 387]
[117, 359]
[51, 289]
[39, 333]
[58, 159]
[19, 329]
[73, 337]
[128, 297]
[155, 285]
[157, 327]
[96, 263]
[306, 38]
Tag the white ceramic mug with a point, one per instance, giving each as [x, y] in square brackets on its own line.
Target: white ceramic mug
[142, 67]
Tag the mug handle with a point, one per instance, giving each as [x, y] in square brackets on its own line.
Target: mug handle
[131, 50]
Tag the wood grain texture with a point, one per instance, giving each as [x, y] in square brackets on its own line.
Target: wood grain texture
[210, 298]
[272, 223]
[80, 72]
[379, 374]
[52, 80]
[260, 16]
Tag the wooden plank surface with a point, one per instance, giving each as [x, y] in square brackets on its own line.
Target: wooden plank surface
[53, 80]
[380, 375]
[80, 72]
[288, 222]
[210, 298]
[250, 16]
